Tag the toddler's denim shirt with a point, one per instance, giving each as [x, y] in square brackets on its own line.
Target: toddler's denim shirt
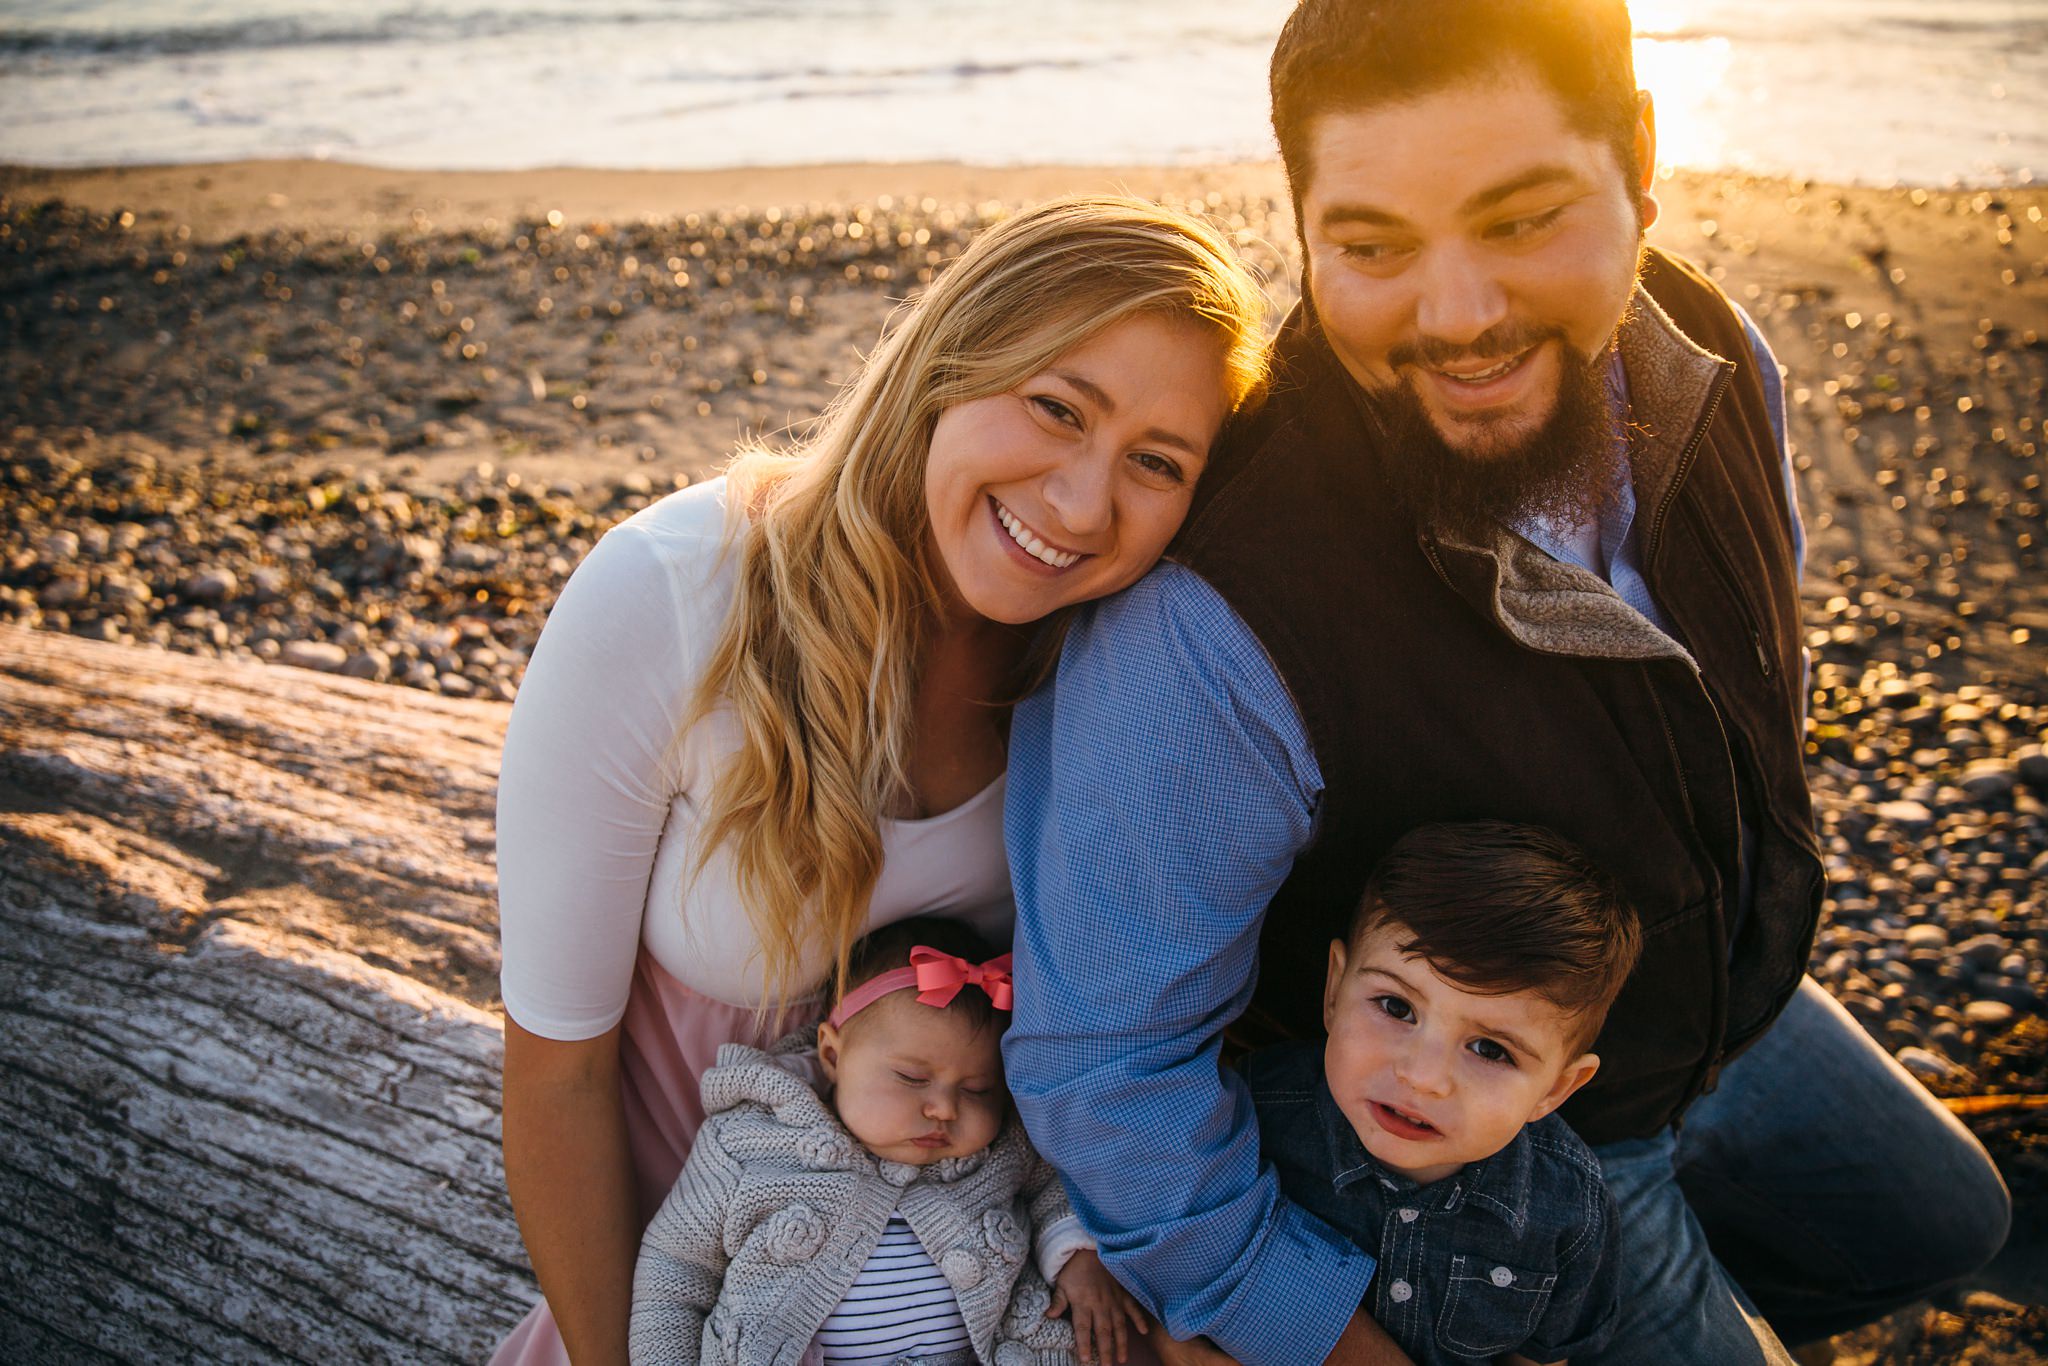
[1513, 1253]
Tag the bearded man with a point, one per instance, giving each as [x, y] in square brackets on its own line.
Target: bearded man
[1515, 536]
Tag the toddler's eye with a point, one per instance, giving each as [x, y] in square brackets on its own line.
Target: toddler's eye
[1395, 1006]
[908, 1080]
[1492, 1052]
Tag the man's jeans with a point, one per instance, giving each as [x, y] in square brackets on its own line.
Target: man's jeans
[1816, 1189]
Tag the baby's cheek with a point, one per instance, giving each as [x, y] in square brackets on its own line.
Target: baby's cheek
[989, 1116]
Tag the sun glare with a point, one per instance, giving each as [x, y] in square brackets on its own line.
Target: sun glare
[1687, 77]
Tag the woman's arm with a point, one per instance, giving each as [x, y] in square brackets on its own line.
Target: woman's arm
[570, 1174]
[583, 794]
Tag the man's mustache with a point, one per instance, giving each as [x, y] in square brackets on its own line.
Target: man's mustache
[1498, 341]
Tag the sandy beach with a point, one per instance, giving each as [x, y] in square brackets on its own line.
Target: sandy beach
[367, 421]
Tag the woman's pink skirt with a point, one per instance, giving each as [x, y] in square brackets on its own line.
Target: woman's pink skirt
[670, 1038]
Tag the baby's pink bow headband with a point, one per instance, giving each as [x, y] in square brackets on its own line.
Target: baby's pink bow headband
[938, 978]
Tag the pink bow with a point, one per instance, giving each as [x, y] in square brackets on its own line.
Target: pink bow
[940, 976]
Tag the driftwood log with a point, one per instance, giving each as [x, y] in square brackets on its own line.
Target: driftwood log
[248, 1056]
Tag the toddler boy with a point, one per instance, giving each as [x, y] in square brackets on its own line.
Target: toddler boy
[1461, 1008]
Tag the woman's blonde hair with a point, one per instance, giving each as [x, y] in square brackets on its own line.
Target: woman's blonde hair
[819, 657]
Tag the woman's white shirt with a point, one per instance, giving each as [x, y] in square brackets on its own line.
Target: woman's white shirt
[601, 792]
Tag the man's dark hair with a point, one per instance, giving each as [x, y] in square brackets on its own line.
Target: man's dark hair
[888, 948]
[1348, 55]
[1499, 908]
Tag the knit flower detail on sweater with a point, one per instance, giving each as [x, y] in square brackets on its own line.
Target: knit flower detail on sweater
[793, 1235]
[1005, 1235]
[825, 1150]
[1028, 1306]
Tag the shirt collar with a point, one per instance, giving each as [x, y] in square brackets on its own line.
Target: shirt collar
[1498, 1184]
[1570, 543]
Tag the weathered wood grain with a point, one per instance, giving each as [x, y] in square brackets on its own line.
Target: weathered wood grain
[248, 1068]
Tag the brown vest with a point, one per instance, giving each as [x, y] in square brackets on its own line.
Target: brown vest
[1441, 680]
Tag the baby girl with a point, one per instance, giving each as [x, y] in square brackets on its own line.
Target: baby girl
[902, 1216]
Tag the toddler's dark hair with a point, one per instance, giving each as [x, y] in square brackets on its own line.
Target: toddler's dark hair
[888, 948]
[1498, 907]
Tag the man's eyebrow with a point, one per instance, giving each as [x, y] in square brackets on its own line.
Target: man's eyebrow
[1360, 213]
[1533, 178]
[1100, 397]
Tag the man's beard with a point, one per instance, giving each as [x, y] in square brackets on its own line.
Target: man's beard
[1562, 472]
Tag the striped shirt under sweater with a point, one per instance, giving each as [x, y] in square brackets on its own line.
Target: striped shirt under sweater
[898, 1305]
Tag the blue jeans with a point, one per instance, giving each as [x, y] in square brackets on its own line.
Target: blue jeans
[1817, 1188]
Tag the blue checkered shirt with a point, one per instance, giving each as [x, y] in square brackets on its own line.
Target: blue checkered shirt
[1158, 795]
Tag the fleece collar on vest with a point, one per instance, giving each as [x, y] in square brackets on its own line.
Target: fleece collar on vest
[1552, 607]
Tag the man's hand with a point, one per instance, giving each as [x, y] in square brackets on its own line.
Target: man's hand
[1103, 1310]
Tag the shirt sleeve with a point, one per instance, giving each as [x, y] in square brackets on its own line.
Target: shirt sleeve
[1159, 794]
[1586, 1300]
[1774, 400]
[582, 789]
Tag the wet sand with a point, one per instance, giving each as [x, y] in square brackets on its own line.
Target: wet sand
[367, 420]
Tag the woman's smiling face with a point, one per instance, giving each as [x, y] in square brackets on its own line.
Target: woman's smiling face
[1069, 486]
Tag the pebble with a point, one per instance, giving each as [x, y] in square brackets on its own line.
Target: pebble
[212, 585]
[269, 584]
[64, 590]
[1982, 1015]
[1926, 1065]
[2030, 763]
[370, 663]
[1926, 937]
[1910, 815]
[122, 592]
[1987, 780]
[314, 654]
[1981, 951]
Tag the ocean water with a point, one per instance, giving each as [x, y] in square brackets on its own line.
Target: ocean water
[1873, 91]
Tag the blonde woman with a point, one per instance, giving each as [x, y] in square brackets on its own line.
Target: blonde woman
[768, 713]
